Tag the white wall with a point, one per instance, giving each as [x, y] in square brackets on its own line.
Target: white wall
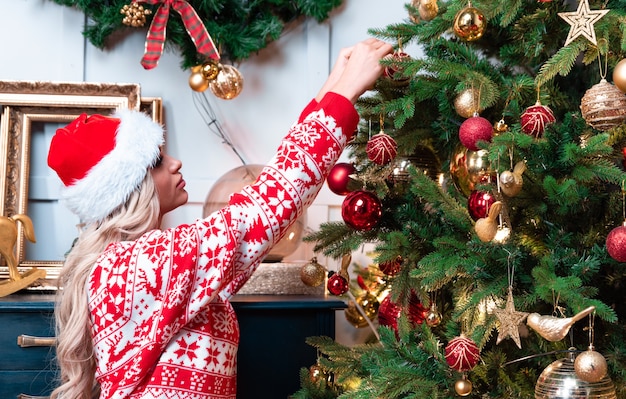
[42, 41]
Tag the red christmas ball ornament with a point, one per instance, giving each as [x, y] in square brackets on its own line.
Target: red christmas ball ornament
[473, 130]
[391, 267]
[381, 149]
[616, 243]
[535, 119]
[417, 312]
[361, 210]
[478, 204]
[339, 177]
[388, 313]
[337, 284]
[394, 71]
[462, 354]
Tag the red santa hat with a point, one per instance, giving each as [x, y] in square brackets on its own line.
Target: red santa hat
[102, 160]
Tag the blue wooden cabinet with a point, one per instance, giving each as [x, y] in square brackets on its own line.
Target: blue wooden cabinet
[271, 353]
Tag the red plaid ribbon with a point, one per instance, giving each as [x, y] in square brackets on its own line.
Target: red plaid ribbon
[156, 34]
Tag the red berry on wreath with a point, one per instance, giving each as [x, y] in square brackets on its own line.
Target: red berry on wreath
[339, 177]
[535, 119]
[462, 354]
[616, 243]
[361, 210]
[381, 149]
[473, 130]
[337, 284]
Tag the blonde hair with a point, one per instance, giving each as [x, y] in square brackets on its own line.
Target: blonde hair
[74, 349]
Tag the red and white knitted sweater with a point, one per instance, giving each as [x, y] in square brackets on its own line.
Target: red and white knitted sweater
[162, 325]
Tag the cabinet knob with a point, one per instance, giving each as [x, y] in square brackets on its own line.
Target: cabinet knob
[26, 341]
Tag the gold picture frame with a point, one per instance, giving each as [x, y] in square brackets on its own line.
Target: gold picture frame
[26, 103]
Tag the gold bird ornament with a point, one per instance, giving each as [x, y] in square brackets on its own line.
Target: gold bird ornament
[555, 328]
[487, 227]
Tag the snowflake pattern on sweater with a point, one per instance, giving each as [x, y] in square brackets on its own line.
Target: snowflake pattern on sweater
[162, 325]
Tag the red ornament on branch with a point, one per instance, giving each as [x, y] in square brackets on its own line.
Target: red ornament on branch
[155, 39]
[462, 354]
[535, 119]
[473, 130]
[339, 178]
[616, 243]
[381, 149]
[361, 210]
[478, 204]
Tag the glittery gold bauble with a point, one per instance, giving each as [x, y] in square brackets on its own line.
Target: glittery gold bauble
[619, 75]
[228, 83]
[469, 24]
[590, 366]
[559, 380]
[313, 274]
[604, 106]
[369, 304]
[428, 9]
[467, 103]
[463, 387]
[197, 82]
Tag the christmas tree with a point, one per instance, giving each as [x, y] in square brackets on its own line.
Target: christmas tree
[488, 173]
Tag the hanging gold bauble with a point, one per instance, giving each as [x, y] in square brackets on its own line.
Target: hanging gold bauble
[197, 82]
[590, 366]
[619, 75]
[228, 83]
[313, 274]
[428, 9]
[463, 387]
[559, 380]
[467, 103]
[369, 304]
[469, 168]
[500, 127]
[210, 70]
[469, 24]
[604, 106]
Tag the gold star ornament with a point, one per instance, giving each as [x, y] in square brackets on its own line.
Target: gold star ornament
[509, 319]
[582, 21]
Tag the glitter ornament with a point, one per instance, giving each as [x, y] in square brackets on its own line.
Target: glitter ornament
[590, 366]
[228, 83]
[337, 284]
[616, 243]
[389, 312]
[473, 130]
[338, 179]
[469, 24]
[478, 204]
[535, 118]
[603, 106]
[361, 210]
[313, 274]
[467, 103]
[559, 380]
[619, 75]
[381, 148]
[462, 354]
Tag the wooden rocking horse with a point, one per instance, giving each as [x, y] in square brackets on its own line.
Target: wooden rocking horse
[8, 238]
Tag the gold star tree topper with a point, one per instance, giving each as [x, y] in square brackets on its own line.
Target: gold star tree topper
[582, 21]
[509, 319]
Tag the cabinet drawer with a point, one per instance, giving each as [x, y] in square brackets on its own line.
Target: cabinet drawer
[33, 323]
[33, 383]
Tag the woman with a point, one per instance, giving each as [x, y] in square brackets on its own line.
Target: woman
[143, 312]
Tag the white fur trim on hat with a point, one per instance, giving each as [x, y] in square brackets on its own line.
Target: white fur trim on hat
[110, 183]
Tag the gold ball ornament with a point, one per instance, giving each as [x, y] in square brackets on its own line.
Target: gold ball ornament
[590, 366]
[313, 274]
[428, 9]
[470, 168]
[317, 375]
[619, 75]
[463, 387]
[433, 318]
[467, 103]
[604, 106]
[368, 303]
[500, 127]
[197, 82]
[210, 70]
[227, 84]
[469, 24]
